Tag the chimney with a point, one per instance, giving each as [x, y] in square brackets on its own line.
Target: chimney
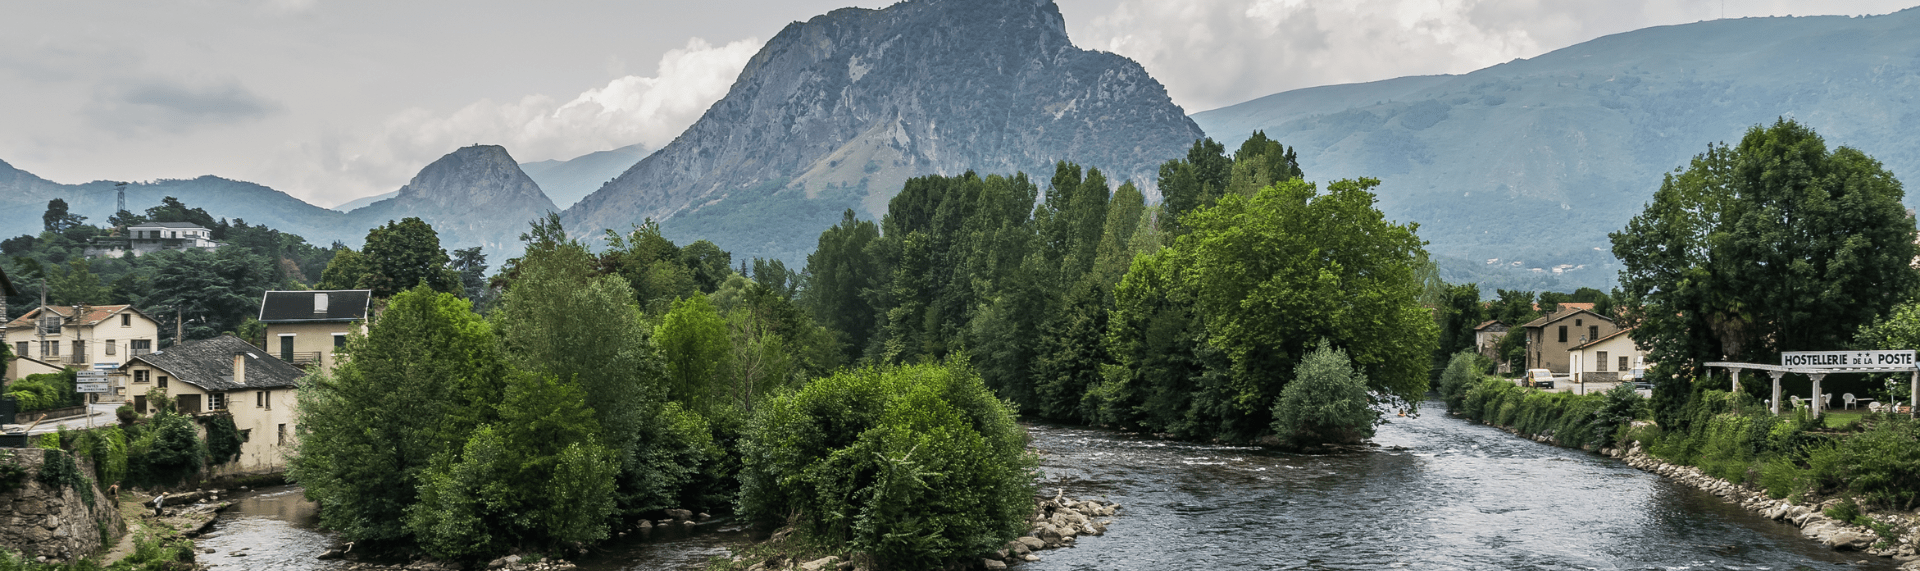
[239, 368]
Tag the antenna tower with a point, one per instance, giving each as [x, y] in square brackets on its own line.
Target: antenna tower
[121, 201]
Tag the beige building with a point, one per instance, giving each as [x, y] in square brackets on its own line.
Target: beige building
[304, 327]
[1551, 337]
[149, 237]
[225, 375]
[80, 337]
[1610, 358]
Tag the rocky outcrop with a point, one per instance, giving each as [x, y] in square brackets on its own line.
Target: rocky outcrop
[1055, 524]
[837, 112]
[1812, 520]
[54, 522]
[475, 196]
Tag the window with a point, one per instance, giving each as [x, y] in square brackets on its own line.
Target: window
[339, 340]
[80, 349]
[269, 399]
[286, 347]
[1593, 333]
[126, 320]
[283, 435]
[1600, 361]
[1576, 323]
[319, 303]
[1624, 366]
[217, 401]
[140, 404]
[20, 349]
[259, 399]
[1563, 334]
[140, 375]
[163, 382]
[140, 346]
[49, 348]
[111, 346]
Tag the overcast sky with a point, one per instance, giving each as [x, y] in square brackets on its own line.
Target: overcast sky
[331, 100]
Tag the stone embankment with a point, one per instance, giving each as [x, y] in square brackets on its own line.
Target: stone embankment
[54, 523]
[1810, 518]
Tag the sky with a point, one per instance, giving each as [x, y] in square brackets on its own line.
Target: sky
[333, 100]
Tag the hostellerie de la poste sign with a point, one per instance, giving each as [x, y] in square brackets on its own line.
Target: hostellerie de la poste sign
[1836, 359]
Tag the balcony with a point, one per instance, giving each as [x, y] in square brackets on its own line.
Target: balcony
[301, 358]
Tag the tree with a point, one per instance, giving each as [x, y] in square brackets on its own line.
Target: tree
[1773, 245]
[418, 385]
[76, 286]
[57, 220]
[171, 209]
[842, 272]
[1196, 181]
[343, 271]
[213, 292]
[1326, 403]
[404, 254]
[472, 265]
[693, 341]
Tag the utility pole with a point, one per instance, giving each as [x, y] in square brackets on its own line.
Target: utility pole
[178, 327]
[40, 324]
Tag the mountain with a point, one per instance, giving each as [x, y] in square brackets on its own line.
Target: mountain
[475, 196]
[1518, 169]
[24, 196]
[568, 181]
[837, 112]
[357, 203]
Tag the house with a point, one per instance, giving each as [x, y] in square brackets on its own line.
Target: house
[1611, 358]
[304, 327]
[225, 375]
[1487, 335]
[81, 336]
[150, 237]
[1550, 337]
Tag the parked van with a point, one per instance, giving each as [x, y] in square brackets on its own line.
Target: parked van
[1541, 378]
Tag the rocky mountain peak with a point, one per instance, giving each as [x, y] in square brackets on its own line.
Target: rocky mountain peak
[473, 196]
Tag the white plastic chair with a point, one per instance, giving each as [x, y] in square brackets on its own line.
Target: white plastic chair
[1795, 399]
[1873, 407]
[1849, 399]
[1826, 401]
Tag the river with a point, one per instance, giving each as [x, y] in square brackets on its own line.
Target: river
[1438, 493]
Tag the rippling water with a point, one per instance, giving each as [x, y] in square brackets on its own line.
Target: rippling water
[1439, 493]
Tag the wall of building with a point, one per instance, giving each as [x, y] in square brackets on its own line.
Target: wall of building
[1592, 369]
[105, 342]
[308, 338]
[269, 430]
[54, 522]
[1545, 350]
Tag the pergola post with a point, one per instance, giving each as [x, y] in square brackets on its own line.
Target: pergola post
[1913, 396]
[1816, 391]
[1736, 380]
[1776, 388]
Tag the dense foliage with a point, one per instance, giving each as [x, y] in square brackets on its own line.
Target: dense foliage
[1327, 402]
[912, 465]
[1775, 244]
[45, 391]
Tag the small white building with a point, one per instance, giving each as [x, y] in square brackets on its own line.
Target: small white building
[1611, 358]
[149, 237]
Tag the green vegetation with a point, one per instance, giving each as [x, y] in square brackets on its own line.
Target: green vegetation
[910, 465]
[45, 391]
[149, 554]
[1327, 402]
[1591, 420]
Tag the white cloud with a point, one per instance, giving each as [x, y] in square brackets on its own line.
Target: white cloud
[627, 110]
[1212, 53]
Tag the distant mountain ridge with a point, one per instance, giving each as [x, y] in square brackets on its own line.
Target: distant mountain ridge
[1532, 162]
[568, 181]
[838, 111]
[474, 196]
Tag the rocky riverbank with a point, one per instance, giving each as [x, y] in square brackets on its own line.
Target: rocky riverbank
[1811, 518]
[1055, 524]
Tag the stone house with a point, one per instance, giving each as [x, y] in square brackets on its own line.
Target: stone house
[225, 375]
[1552, 336]
[305, 327]
[149, 237]
[1610, 358]
[81, 336]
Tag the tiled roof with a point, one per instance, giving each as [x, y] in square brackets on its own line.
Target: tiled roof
[1566, 310]
[294, 306]
[1487, 323]
[94, 314]
[208, 364]
[1576, 305]
[1602, 338]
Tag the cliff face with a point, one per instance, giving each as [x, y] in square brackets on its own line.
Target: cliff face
[475, 196]
[839, 111]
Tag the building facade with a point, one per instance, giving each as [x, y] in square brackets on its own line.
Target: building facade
[1611, 358]
[1550, 337]
[225, 375]
[305, 327]
[150, 237]
[81, 336]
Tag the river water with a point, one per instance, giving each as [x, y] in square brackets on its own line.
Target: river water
[1438, 493]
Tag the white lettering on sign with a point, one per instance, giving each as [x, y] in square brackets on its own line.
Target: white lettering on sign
[1897, 358]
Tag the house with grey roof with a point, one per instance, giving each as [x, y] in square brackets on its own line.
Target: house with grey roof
[305, 327]
[225, 375]
[149, 237]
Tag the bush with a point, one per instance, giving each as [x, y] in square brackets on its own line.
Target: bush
[1326, 403]
[165, 450]
[108, 449]
[913, 465]
[1462, 371]
[46, 391]
[223, 439]
[57, 469]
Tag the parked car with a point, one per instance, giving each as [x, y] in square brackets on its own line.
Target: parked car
[1540, 378]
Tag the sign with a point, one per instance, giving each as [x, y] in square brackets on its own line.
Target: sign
[1838, 359]
[89, 387]
[91, 374]
[105, 366]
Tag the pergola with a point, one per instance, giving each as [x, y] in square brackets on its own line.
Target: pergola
[1818, 373]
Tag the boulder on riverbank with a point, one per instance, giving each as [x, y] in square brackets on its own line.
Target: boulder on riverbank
[1055, 524]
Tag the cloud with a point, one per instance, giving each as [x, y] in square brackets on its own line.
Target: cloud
[627, 110]
[176, 106]
[1212, 53]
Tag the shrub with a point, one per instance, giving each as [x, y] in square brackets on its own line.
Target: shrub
[223, 439]
[108, 449]
[913, 465]
[1327, 402]
[45, 391]
[1459, 376]
[164, 451]
[57, 469]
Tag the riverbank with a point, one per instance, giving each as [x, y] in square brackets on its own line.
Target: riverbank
[1056, 523]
